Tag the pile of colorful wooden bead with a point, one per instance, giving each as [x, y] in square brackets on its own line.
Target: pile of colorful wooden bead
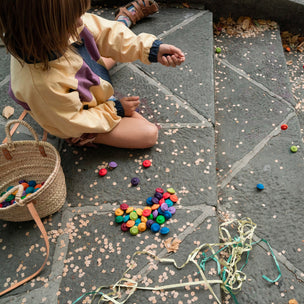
[160, 208]
[29, 188]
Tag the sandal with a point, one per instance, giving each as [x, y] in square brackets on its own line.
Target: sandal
[143, 8]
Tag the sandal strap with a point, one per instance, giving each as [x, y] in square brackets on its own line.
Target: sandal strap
[125, 12]
[143, 8]
[139, 14]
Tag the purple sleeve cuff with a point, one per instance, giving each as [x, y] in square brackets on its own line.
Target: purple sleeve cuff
[154, 51]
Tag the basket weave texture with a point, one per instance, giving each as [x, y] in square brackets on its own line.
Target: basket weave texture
[31, 160]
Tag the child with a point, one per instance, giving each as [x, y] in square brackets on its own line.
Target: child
[59, 68]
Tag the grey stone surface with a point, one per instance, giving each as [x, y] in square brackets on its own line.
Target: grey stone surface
[157, 104]
[287, 12]
[256, 290]
[183, 159]
[251, 148]
[253, 96]
[264, 63]
[90, 250]
[278, 208]
[245, 115]
[102, 256]
[190, 81]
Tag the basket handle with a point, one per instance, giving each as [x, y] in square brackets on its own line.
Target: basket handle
[19, 188]
[10, 142]
[39, 223]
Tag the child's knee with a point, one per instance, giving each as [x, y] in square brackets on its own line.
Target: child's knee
[151, 136]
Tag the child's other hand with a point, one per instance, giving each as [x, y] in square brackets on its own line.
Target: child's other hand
[170, 55]
[129, 104]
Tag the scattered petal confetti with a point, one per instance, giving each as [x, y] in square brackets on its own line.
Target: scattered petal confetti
[8, 111]
[172, 245]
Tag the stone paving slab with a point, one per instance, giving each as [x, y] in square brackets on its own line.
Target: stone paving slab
[24, 251]
[86, 237]
[158, 104]
[99, 242]
[256, 290]
[260, 58]
[192, 82]
[245, 116]
[253, 99]
[277, 209]
[183, 159]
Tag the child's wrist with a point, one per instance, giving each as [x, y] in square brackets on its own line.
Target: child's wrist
[154, 50]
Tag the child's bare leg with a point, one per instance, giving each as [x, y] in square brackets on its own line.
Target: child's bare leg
[132, 132]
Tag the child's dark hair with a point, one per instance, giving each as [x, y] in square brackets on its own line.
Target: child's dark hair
[37, 30]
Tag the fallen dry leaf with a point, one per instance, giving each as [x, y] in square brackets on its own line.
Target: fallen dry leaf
[8, 111]
[172, 245]
[244, 27]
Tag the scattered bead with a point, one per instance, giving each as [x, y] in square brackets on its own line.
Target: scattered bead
[164, 230]
[218, 50]
[284, 127]
[139, 211]
[160, 190]
[149, 223]
[142, 227]
[124, 227]
[260, 186]
[160, 219]
[133, 216]
[155, 227]
[130, 223]
[112, 165]
[171, 190]
[146, 212]
[293, 149]
[119, 212]
[146, 163]
[159, 209]
[124, 206]
[135, 181]
[103, 172]
[119, 219]
[129, 210]
[134, 230]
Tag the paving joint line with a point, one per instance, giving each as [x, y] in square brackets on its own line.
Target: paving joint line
[240, 164]
[181, 102]
[5, 81]
[254, 82]
[180, 25]
[183, 125]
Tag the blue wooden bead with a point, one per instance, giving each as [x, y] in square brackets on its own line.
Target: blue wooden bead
[155, 227]
[164, 230]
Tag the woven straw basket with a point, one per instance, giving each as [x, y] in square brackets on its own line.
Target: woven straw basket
[30, 160]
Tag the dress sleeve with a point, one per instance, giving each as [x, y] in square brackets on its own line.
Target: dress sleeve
[114, 39]
[62, 113]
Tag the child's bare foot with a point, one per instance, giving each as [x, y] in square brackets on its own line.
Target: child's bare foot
[135, 11]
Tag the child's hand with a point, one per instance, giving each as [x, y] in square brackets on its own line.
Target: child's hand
[170, 55]
[129, 104]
